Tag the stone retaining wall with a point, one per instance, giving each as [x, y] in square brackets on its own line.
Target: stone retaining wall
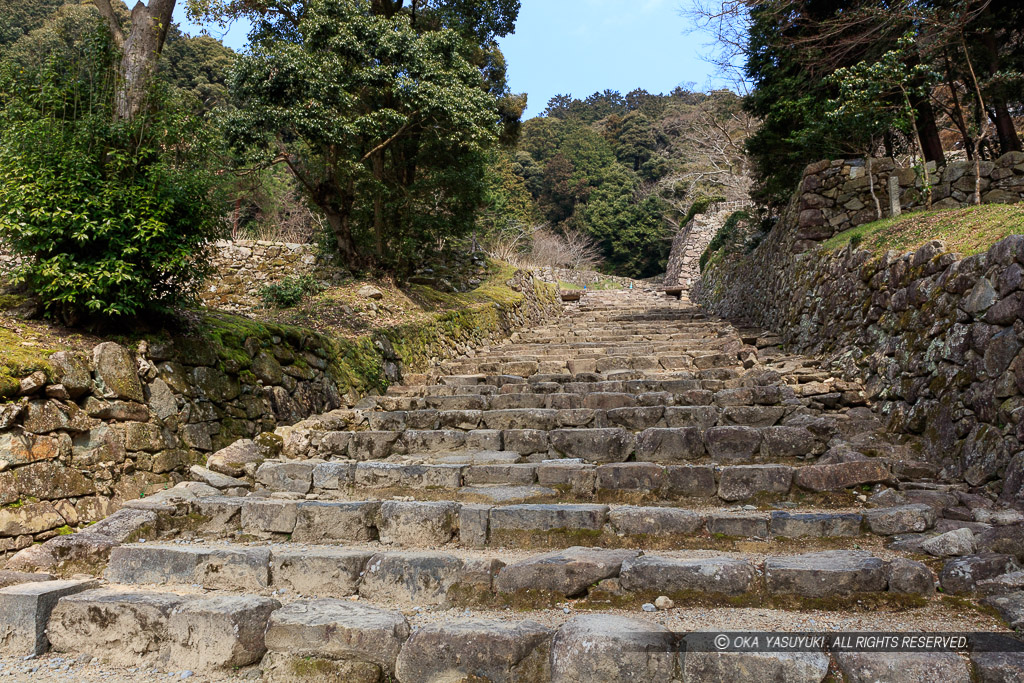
[580, 278]
[242, 267]
[836, 195]
[937, 337]
[108, 426]
[684, 261]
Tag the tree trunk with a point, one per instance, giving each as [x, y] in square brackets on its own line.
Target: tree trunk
[339, 217]
[140, 51]
[1009, 141]
[871, 182]
[931, 143]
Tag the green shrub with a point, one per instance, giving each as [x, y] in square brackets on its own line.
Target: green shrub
[289, 291]
[111, 215]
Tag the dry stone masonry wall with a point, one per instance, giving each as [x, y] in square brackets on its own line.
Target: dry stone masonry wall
[115, 424]
[938, 337]
[241, 267]
[836, 195]
[688, 245]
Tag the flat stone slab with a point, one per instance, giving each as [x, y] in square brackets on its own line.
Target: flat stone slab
[321, 571]
[842, 475]
[903, 519]
[476, 649]
[25, 610]
[824, 574]
[743, 482]
[318, 522]
[902, 667]
[236, 568]
[715, 575]
[423, 578]
[815, 524]
[567, 572]
[655, 522]
[410, 523]
[219, 632]
[505, 494]
[548, 517]
[738, 524]
[612, 649]
[340, 630]
[123, 628]
[730, 667]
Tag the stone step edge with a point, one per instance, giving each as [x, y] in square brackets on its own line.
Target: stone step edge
[418, 523]
[347, 641]
[729, 483]
[617, 578]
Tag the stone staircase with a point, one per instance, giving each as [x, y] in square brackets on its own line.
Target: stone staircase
[570, 506]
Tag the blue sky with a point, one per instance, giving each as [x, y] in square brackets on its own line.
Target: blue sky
[584, 46]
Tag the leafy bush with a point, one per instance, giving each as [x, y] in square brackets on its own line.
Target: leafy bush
[289, 291]
[111, 215]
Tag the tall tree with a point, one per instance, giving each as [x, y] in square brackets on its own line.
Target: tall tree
[140, 45]
[382, 110]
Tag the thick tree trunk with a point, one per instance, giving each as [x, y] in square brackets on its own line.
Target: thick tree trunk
[140, 50]
[340, 220]
[1009, 141]
[931, 143]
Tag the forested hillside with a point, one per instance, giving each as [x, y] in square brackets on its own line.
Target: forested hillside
[621, 170]
[932, 80]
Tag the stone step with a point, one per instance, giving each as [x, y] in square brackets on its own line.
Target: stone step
[414, 523]
[451, 474]
[687, 437]
[330, 639]
[771, 423]
[214, 634]
[572, 399]
[586, 382]
[597, 576]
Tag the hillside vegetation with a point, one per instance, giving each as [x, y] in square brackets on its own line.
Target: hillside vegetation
[967, 231]
[623, 171]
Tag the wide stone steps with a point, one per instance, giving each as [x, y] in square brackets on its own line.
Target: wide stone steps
[431, 523]
[685, 442]
[516, 513]
[458, 471]
[619, 578]
[622, 383]
[331, 639]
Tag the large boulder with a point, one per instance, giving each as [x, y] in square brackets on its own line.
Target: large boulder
[233, 459]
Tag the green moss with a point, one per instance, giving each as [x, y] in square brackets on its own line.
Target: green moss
[65, 531]
[18, 361]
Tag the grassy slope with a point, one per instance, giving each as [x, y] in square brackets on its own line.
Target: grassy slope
[965, 231]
